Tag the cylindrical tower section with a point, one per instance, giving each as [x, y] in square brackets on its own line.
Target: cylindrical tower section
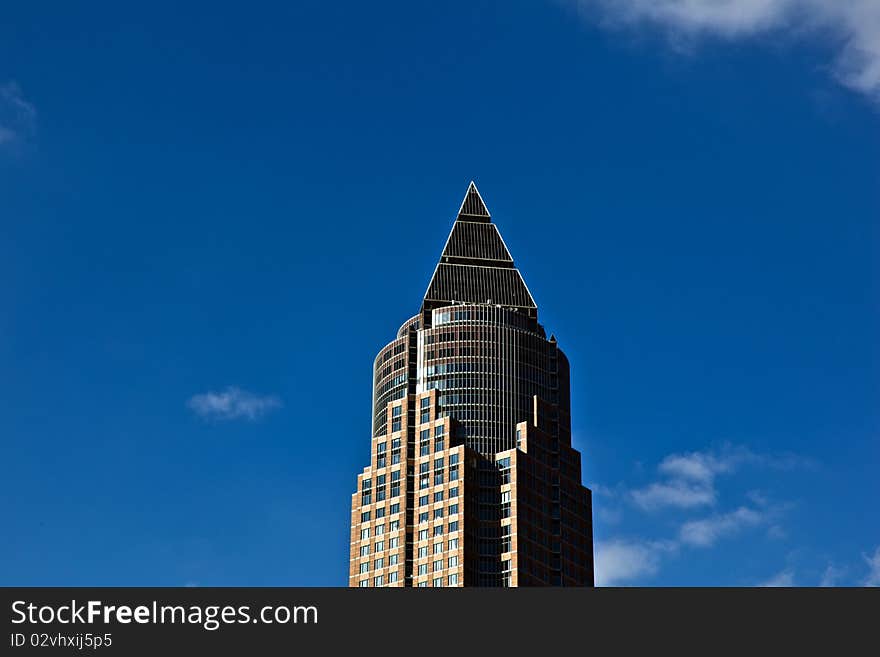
[486, 363]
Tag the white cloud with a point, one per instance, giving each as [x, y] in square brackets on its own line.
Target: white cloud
[783, 578]
[832, 575]
[232, 403]
[621, 561]
[852, 27]
[17, 115]
[690, 477]
[677, 493]
[708, 531]
[873, 561]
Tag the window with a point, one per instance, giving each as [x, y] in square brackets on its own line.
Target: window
[423, 569]
[438, 496]
[365, 533]
[363, 583]
[380, 545]
[504, 466]
[423, 534]
[423, 500]
[422, 585]
[425, 402]
[438, 444]
[453, 474]
[380, 529]
[438, 565]
[379, 563]
[395, 483]
[395, 418]
[438, 476]
[380, 454]
[453, 492]
[438, 463]
[438, 548]
[393, 542]
[453, 580]
[424, 467]
[395, 508]
[379, 581]
[423, 551]
[395, 450]
[453, 509]
[394, 525]
[438, 530]
[452, 561]
[365, 566]
[380, 512]
[438, 513]
[392, 560]
[453, 544]
[423, 517]
[438, 582]
[453, 526]
[365, 516]
[365, 550]
[392, 577]
[438, 431]
[424, 482]
[453, 459]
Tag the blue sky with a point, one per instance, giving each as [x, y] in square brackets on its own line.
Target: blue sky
[211, 219]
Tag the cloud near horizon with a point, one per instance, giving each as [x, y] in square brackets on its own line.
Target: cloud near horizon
[232, 403]
[780, 579]
[687, 482]
[620, 561]
[873, 561]
[851, 27]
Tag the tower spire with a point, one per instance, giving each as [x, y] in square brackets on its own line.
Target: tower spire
[475, 265]
[472, 206]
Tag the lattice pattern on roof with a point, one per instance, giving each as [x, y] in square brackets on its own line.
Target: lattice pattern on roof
[474, 284]
[477, 241]
[476, 266]
[472, 206]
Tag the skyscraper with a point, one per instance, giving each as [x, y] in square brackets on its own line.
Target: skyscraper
[472, 478]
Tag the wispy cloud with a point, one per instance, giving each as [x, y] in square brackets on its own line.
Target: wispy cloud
[689, 478]
[17, 115]
[832, 575]
[620, 561]
[851, 27]
[873, 561]
[708, 531]
[676, 493]
[233, 403]
[687, 482]
[780, 579]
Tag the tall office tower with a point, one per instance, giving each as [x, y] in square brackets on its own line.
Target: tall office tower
[472, 478]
